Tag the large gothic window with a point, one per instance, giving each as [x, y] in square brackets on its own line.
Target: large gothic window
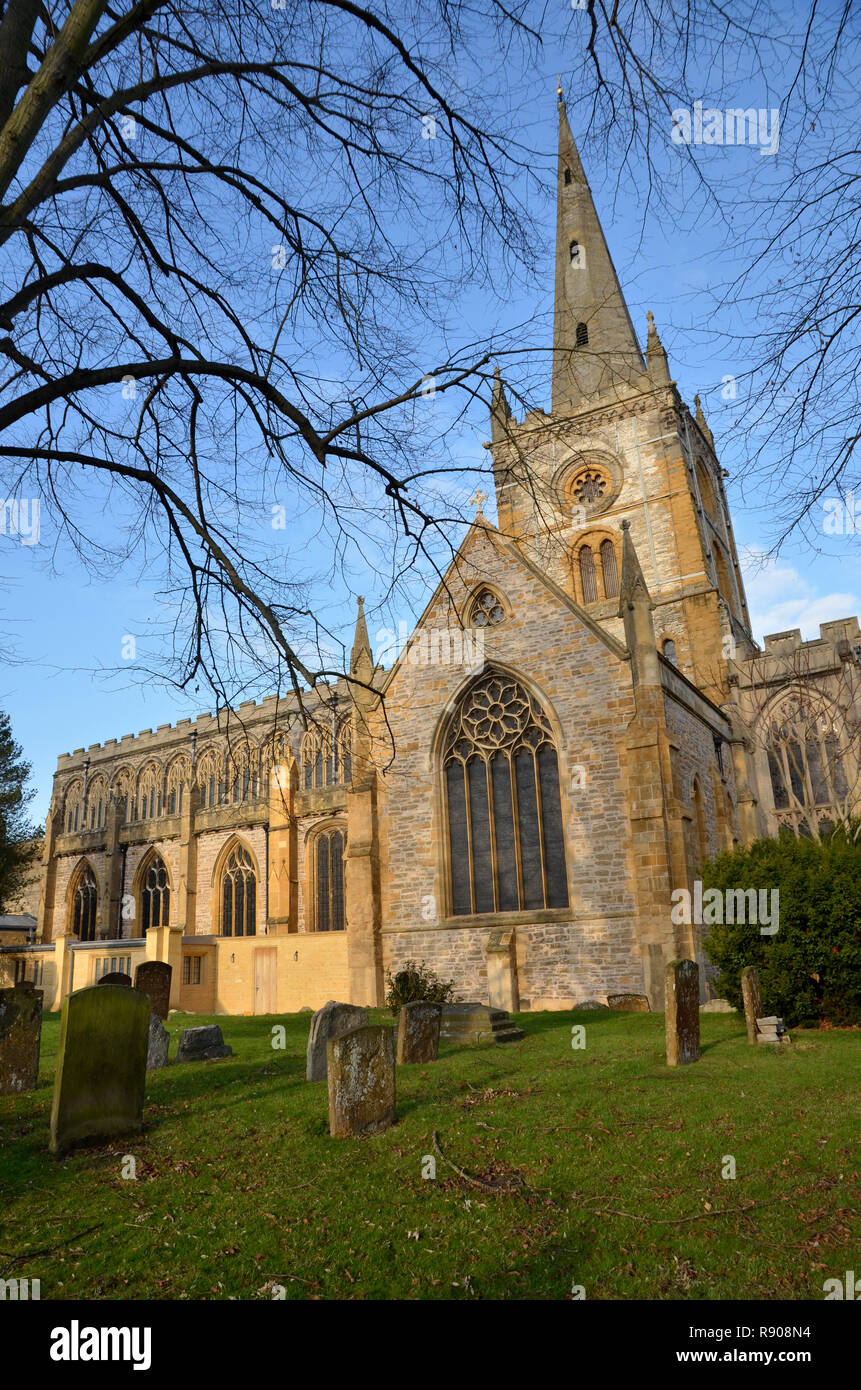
[329, 881]
[506, 843]
[85, 899]
[239, 895]
[155, 895]
[806, 763]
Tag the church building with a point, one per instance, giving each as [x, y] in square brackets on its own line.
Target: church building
[580, 719]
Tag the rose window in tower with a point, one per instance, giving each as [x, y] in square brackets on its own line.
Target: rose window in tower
[589, 487]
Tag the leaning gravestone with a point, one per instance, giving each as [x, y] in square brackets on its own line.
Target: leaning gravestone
[329, 1022]
[629, 1003]
[361, 1076]
[153, 977]
[115, 977]
[204, 1044]
[101, 1066]
[418, 1031]
[750, 993]
[158, 1044]
[20, 1036]
[682, 1012]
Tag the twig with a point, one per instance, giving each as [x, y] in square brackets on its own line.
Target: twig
[48, 1250]
[700, 1216]
[505, 1184]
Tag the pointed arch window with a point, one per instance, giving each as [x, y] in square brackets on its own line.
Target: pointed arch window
[85, 900]
[210, 779]
[588, 582]
[239, 895]
[149, 792]
[96, 795]
[155, 895]
[345, 752]
[74, 808]
[574, 252]
[328, 851]
[669, 650]
[316, 754]
[179, 774]
[486, 610]
[806, 764]
[609, 569]
[581, 336]
[124, 790]
[506, 842]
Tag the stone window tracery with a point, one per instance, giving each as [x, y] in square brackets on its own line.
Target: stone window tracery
[485, 610]
[178, 777]
[155, 895]
[506, 842]
[239, 894]
[96, 801]
[806, 764]
[85, 900]
[74, 807]
[328, 869]
[149, 792]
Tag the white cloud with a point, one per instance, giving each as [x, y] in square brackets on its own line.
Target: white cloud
[780, 598]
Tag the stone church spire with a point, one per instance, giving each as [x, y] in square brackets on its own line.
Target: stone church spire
[595, 348]
[361, 660]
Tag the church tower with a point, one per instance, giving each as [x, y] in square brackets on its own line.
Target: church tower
[620, 444]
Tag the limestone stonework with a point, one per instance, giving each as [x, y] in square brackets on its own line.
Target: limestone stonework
[631, 729]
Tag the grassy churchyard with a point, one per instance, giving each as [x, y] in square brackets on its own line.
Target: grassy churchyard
[608, 1164]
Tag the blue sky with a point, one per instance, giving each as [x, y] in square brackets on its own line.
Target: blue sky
[73, 687]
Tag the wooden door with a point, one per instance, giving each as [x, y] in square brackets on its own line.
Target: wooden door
[265, 982]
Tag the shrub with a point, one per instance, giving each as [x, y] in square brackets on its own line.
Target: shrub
[810, 969]
[416, 982]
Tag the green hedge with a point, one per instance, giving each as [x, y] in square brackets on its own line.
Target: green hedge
[811, 968]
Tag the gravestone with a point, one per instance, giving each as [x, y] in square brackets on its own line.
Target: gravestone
[329, 1022]
[115, 977]
[682, 1000]
[153, 977]
[101, 1065]
[158, 1044]
[592, 1004]
[361, 1076]
[629, 1003]
[750, 993]
[500, 957]
[418, 1031]
[478, 1023]
[204, 1044]
[20, 1036]
[772, 1030]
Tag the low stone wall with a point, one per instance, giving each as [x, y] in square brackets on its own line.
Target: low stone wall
[559, 963]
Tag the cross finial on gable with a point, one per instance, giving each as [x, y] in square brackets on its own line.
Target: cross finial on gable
[477, 500]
